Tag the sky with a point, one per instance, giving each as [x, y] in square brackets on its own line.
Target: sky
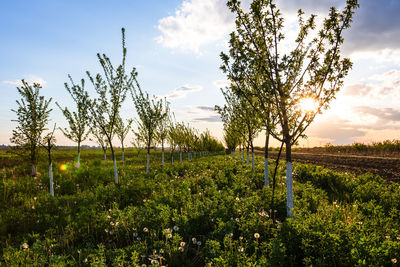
[175, 47]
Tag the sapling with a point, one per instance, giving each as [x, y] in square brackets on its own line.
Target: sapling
[32, 116]
[78, 120]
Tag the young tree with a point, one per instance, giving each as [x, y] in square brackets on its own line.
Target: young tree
[172, 138]
[163, 128]
[139, 142]
[314, 70]
[239, 112]
[111, 90]
[100, 138]
[243, 72]
[32, 116]
[121, 130]
[78, 121]
[150, 112]
[48, 144]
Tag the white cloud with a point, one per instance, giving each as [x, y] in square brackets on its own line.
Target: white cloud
[221, 83]
[196, 23]
[182, 91]
[31, 79]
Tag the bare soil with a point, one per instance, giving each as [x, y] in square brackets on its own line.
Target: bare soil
[388, 167]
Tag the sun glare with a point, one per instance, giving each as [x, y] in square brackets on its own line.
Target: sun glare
[308, 104]
[63, 167]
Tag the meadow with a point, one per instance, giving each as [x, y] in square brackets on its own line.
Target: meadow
[212, 211]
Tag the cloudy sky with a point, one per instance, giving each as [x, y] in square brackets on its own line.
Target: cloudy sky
[175, 47]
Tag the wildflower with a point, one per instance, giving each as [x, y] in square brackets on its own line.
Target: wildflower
[263, 214]
[169, 235]
[256, 235]
[145, 229]
[394, 260]
[106, 230]
[240, 249]
[109, 210]
[138, 239]
[108, 217]
[237, 198]
[135, 234]
[182, 244]
[161, 251]
[35, 198]
[111, 232]
[240, 238]
[85, 260]
[25, 245]
[387, 237]
[398, 238]
[79, 251]
[176, 228]
[194, 240]
[181, 249]
[33, 207]
[116, 223]
[199, 243]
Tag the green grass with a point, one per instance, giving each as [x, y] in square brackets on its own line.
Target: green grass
[210, 210]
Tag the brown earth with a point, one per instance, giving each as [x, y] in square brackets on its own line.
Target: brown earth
[385, 166]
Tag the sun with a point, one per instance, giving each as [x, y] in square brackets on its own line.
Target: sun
[308, 104]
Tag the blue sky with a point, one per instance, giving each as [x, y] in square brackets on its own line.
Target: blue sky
[175, 47]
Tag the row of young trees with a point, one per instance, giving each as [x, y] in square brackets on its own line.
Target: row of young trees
[99, 119]
[268, 81]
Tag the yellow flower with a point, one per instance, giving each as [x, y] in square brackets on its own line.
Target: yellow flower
[256, 235]
[394, 260]
[25, 245]
[145, 229]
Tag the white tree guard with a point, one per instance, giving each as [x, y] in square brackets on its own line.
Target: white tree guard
[79, 158]
[123, 157]
[162, 156]
[252, 161]
[248, 156]
[180, 156]
[289, 189]
[105, 159]
[115, 171]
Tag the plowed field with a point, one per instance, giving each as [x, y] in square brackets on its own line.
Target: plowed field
[386, 167]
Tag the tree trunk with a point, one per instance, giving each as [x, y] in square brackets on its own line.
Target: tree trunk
[51, 179]
[162, 154]
[33, 170]
[105, 158]
[289, 181]
[115, 165]
[274, 177]
[148, 161]
[248, 155]
[266, 178]
[79, 155]
[252, 157]
[123, 154]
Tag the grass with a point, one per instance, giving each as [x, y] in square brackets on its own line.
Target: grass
[212, 210]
